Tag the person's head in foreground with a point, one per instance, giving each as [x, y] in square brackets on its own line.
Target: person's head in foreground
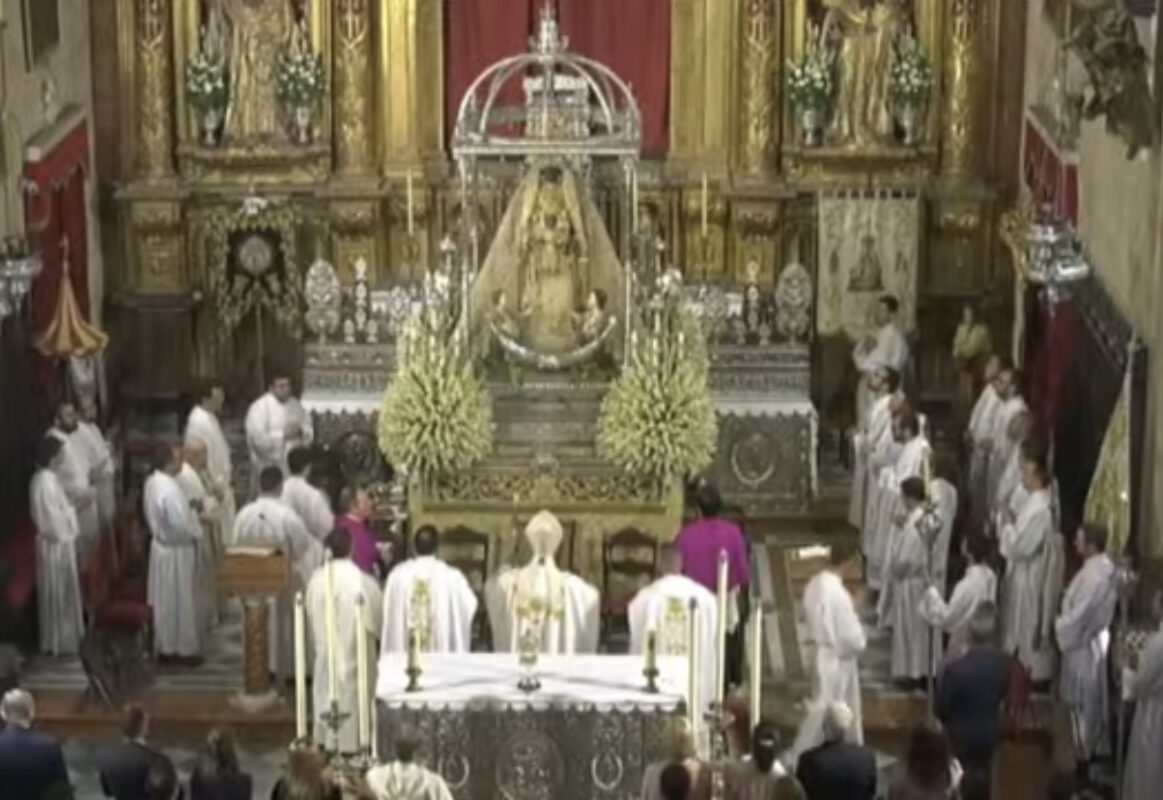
[17, 709]
[764, 746]
[929, 759]
[674, 783]
[838, 722]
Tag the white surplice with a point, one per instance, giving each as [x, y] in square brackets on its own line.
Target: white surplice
[835, 631]
[1143, 777]
[349, 583]
[945, 499]
[889, 350]
[978, 432]
[397, 780]
[1010, 494]
[978, 585]
[573, 620]
[914, 647]
[884, 455]
[880, 545]
[434, 598]
[204, 426]
[173, 566]
[872, 428]
[1023, 544]
[57, 585]
[310, 504]
[1083, 633]
[102, 469]
[193, 485]
[72, 468]
[1003, 445]
[664, 607]
[267, 421]
[267, 523]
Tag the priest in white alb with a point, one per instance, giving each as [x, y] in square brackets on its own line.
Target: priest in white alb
[347, 585]
[540, 606]
[837, 637]
[195, 483]
[275, 423]
[876, 424]
[403, 778]
[663, 608]
[72, 468]
[306, 500]
[915, 648]
[910, 463]
[58, 588]
[1010, 405]
[978, 440]
[1083, 633]
[203, 424]
[266, 524]
[173, 560]
[977, 586]
[99, 456]
[945, 499]
[885, 348]
[1143, 685]
[429, 596]
[1009, 492]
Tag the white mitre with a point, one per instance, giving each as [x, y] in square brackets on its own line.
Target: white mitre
[539, 588]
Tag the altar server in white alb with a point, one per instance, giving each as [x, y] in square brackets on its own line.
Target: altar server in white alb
[1143, 682]
[266, 523]
[194, 480]
[348, 584]
[99, 456]
[1083, 633]
[431, 596]
[944, 497]
[275, 423]
[541, 602]
[886, 348]
[1010, 404]
[977, 587]
[914, 647]
[58, 588]
[910, 463]
[403, 778]
[1025, 540]
[875, 426]
[173, 560]
[203, 424]
[72, 468]
[1009, 492]
[304, 499]
[835, 631]
[977, 435]
[663, 608]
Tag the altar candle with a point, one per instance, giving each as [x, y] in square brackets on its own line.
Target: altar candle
[300, 668]
[332, 652]
[926, 475]
[721, 629]
[651, 650]
[756, 682]
[411, 210]
[361, 672]
[692, 675]
[634, 203]
[704, 206]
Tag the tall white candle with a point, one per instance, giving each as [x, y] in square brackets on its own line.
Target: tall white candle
[361, 673]
[634, 203]
[411, 206]
[300, 668]
[721, 629]
[692, 676]
[332, 651]
[756, 682]
[704, 205]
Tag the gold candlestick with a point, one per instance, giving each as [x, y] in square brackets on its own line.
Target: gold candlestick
[651, 670]
[413, 668]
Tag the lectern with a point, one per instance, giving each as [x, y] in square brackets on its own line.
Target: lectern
[255, 576]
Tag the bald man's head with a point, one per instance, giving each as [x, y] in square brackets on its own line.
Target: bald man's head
[669, 561]
[194, 452]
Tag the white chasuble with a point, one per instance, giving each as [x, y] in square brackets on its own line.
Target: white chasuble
[349, 583]
[838, 639]
[310, 504]
[435, 599]
[977, 586]
[58, 588]
[1083, 633]
[400, 781]
[72, 468]
[102, 470]
[913, 643]
[204, 427]
[864, 440]
[207, 510]
[1024, 545]
[173, 566]
[267, 431]
[564, 606]
[1143, 776]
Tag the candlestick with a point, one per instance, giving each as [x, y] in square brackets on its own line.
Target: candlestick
[721, 630]
[704, 206]
[413, 668]
[411, 211]
[332, 649]
[361, 675]
[300, 668]
[756, 682]
[651, 669]
[634, 203]
[926, 477]
[692, 675]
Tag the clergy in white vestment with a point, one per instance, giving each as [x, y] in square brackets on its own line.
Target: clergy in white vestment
[347, 584]
[876, 424]
[1010, 405]
[203, 424]
[540, 603]
[72, 468]
[977, 586]
[915, 647]
[266, 523]
[58, 588]
[275, 423]
[909, 463]
[885, 452]
[1083, 633]
[1024, 540]
[977, 437]
[836, 638]
[303, 498]
[943, 495]
[1143, 685]
[403, 778]
[664, 608]
[194, 480]
[886, 348]
[99, 456]
[1009, 492]
[430, 596]
[173, 559]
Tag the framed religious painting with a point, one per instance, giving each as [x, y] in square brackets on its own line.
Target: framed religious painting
[42, 30]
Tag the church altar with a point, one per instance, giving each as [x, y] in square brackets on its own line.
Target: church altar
[589, 731]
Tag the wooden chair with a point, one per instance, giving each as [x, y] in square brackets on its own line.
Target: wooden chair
[116, 611]
[468, 551]
[629, 557]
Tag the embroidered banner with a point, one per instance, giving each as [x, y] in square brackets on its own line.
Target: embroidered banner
[1108, 500]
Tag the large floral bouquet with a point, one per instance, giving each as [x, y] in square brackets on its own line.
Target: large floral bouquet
[911, 77]
[300, 77]
[809, 82]
[205, 83]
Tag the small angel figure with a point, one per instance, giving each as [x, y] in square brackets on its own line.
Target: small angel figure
[505, 321]
[592, 321]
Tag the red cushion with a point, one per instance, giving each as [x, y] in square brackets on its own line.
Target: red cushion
[130, 590]
[118, 614]
[18, 552]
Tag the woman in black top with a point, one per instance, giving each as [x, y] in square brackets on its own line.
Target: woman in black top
[217, 776]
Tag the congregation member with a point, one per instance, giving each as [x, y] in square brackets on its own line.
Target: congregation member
[275, 423]
[839, 766]
[977, 435]
[870, 431]
[664, 608]
[1025, 540]
[835, 629]
[348, 586]
[1082, 631]
[99, 457]
[216, 775]
[32, 763]
[977, 587]
[59, 608]
[355, 510]
[194, 480]
[761, 776]
[910, 461]
[162, 782]
[125, 767]
[1143, 685]
[175, 532]
[674, 783]
[303, 498]
[929, 770]
[203, 425]
[430, 595]
[403, 777]
[913, 642]
[307, 775]
[73, 470]
[1010, 405]
[266, 524]
[681, 752]
[567, 618]
[885, 348]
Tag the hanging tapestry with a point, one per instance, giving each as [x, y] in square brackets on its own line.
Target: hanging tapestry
[1108, 500]
[868, 247]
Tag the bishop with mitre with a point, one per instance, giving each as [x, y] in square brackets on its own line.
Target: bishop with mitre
[540, 601]
[429, 596]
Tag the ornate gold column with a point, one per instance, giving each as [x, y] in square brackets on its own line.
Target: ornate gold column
[155, 119]
[702, 70]
[410, 74]
[759, 91]
[352, 73]
[960, 115]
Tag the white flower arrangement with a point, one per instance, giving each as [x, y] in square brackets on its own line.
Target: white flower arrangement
[205, 83]
[300, 77]
[809, 82]
[911, 77]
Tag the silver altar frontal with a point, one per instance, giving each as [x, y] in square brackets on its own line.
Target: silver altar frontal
[589, 731]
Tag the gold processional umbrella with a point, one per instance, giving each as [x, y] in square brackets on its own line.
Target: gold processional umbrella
[68, 334]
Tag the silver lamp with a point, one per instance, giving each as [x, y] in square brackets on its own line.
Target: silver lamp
[19, 267]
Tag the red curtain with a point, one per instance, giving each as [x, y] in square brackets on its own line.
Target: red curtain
[1051, 338]
[631, 37]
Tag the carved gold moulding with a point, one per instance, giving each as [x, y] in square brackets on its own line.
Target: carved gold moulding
[844, 166]
[263, 163]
